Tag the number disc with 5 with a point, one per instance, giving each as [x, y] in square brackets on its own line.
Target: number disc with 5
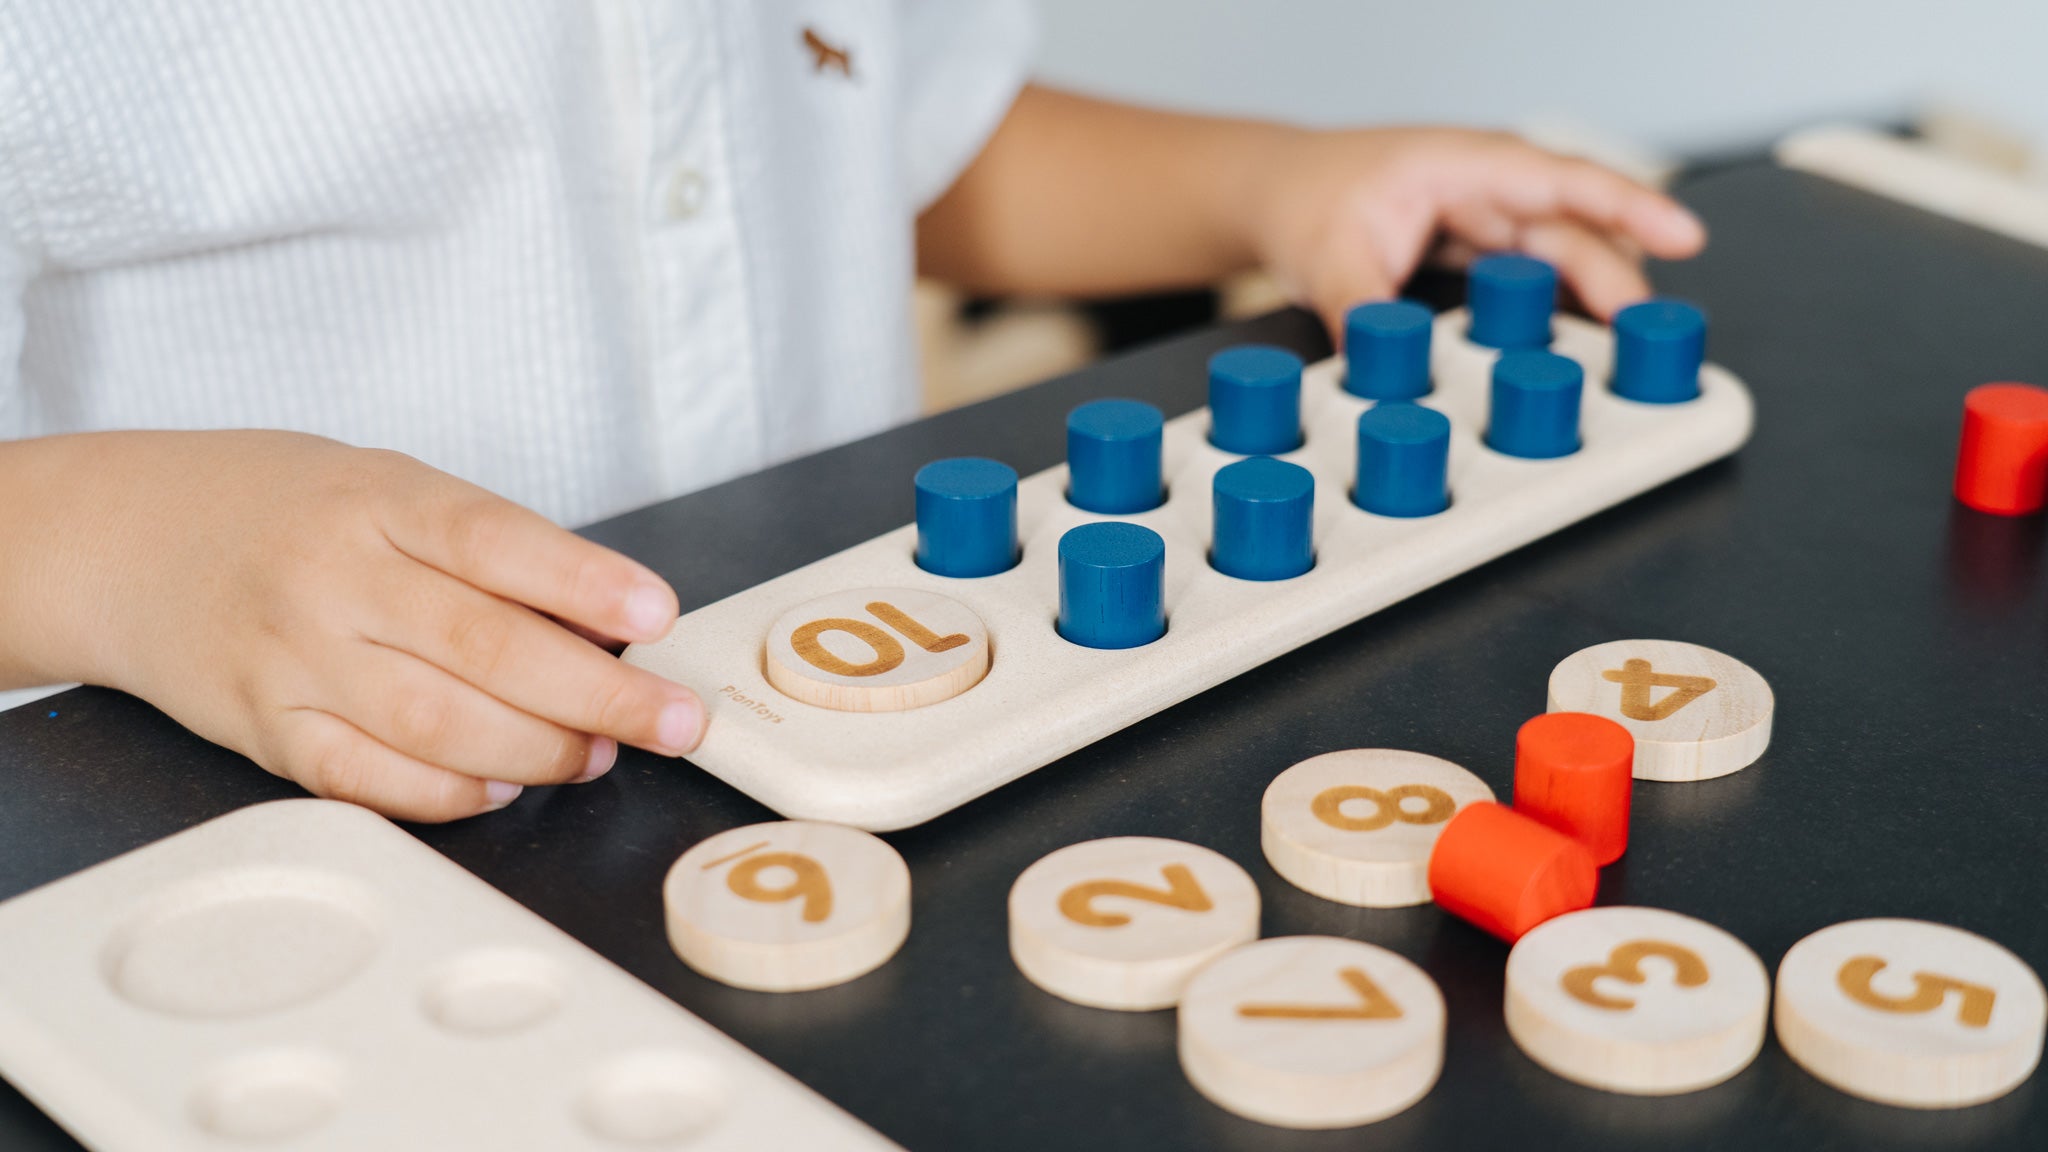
[1910, 1013]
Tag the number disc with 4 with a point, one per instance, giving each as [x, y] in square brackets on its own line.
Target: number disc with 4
[1694, 712]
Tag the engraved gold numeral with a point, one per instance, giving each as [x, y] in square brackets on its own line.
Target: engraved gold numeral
[1328, 806]
[1373, 1004]
[1181, 891]
[888, 653]
[919, 635]
[1637, 678]
[1929, 991]
[1625, 964]
[810, 883]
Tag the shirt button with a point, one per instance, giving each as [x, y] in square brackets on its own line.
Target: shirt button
[685, 195]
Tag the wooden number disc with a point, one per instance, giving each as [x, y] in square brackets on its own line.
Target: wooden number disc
[877, 650]
[1312, 1032]
[1910, 1013]
[1357, 826]
[1695, 713]
[1637, 1000]
[1124, 922]
[786, 906]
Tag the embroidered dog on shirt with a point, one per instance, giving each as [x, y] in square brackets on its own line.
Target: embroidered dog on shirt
[825, 55]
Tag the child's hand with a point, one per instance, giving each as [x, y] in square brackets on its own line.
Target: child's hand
[354, 620]
[1080, 196]
[1347, 216]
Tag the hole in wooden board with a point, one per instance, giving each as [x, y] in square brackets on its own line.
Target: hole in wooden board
[244, 941]
[272, 1095]
[493, 991]
[656, 1096]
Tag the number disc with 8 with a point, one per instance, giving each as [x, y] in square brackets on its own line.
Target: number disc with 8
[1637, 1000]
[1357, 826]
[788, 905]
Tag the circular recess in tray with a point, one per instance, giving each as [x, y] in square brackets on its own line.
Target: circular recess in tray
[493, 991]
[652, 1097]
[269, 1095]
[244, 941]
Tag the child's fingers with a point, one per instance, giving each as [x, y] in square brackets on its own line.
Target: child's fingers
[1452, 252]
[1605, 277]
[611, 644]
[1481, 225]
[1615, 204]
[1341, 282]
[531, 663]
[518, 554]
[427, 714]
[330, 757]
[1533, 184]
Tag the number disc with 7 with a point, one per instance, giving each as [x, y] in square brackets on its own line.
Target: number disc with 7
[1312, 1032]
[1637, 1000]
[788, 905]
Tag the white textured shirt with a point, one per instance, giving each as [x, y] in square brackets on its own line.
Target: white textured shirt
[586, 253]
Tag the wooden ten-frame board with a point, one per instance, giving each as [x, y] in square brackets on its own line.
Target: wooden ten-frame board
[1044, 697]
[303, 974]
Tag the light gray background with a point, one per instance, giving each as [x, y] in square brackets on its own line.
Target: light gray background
[1683, 77]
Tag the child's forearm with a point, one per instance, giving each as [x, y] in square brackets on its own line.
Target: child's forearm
[1083, 197]
[42, 573]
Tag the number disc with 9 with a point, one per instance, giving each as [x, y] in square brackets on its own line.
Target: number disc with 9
[787, 905]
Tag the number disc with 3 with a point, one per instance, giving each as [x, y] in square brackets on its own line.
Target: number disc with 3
[1637, 1000]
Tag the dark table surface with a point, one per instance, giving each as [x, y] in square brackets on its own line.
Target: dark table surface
[1906, 638]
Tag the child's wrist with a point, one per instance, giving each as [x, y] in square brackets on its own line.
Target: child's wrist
[48, 562]
[1253, 193]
